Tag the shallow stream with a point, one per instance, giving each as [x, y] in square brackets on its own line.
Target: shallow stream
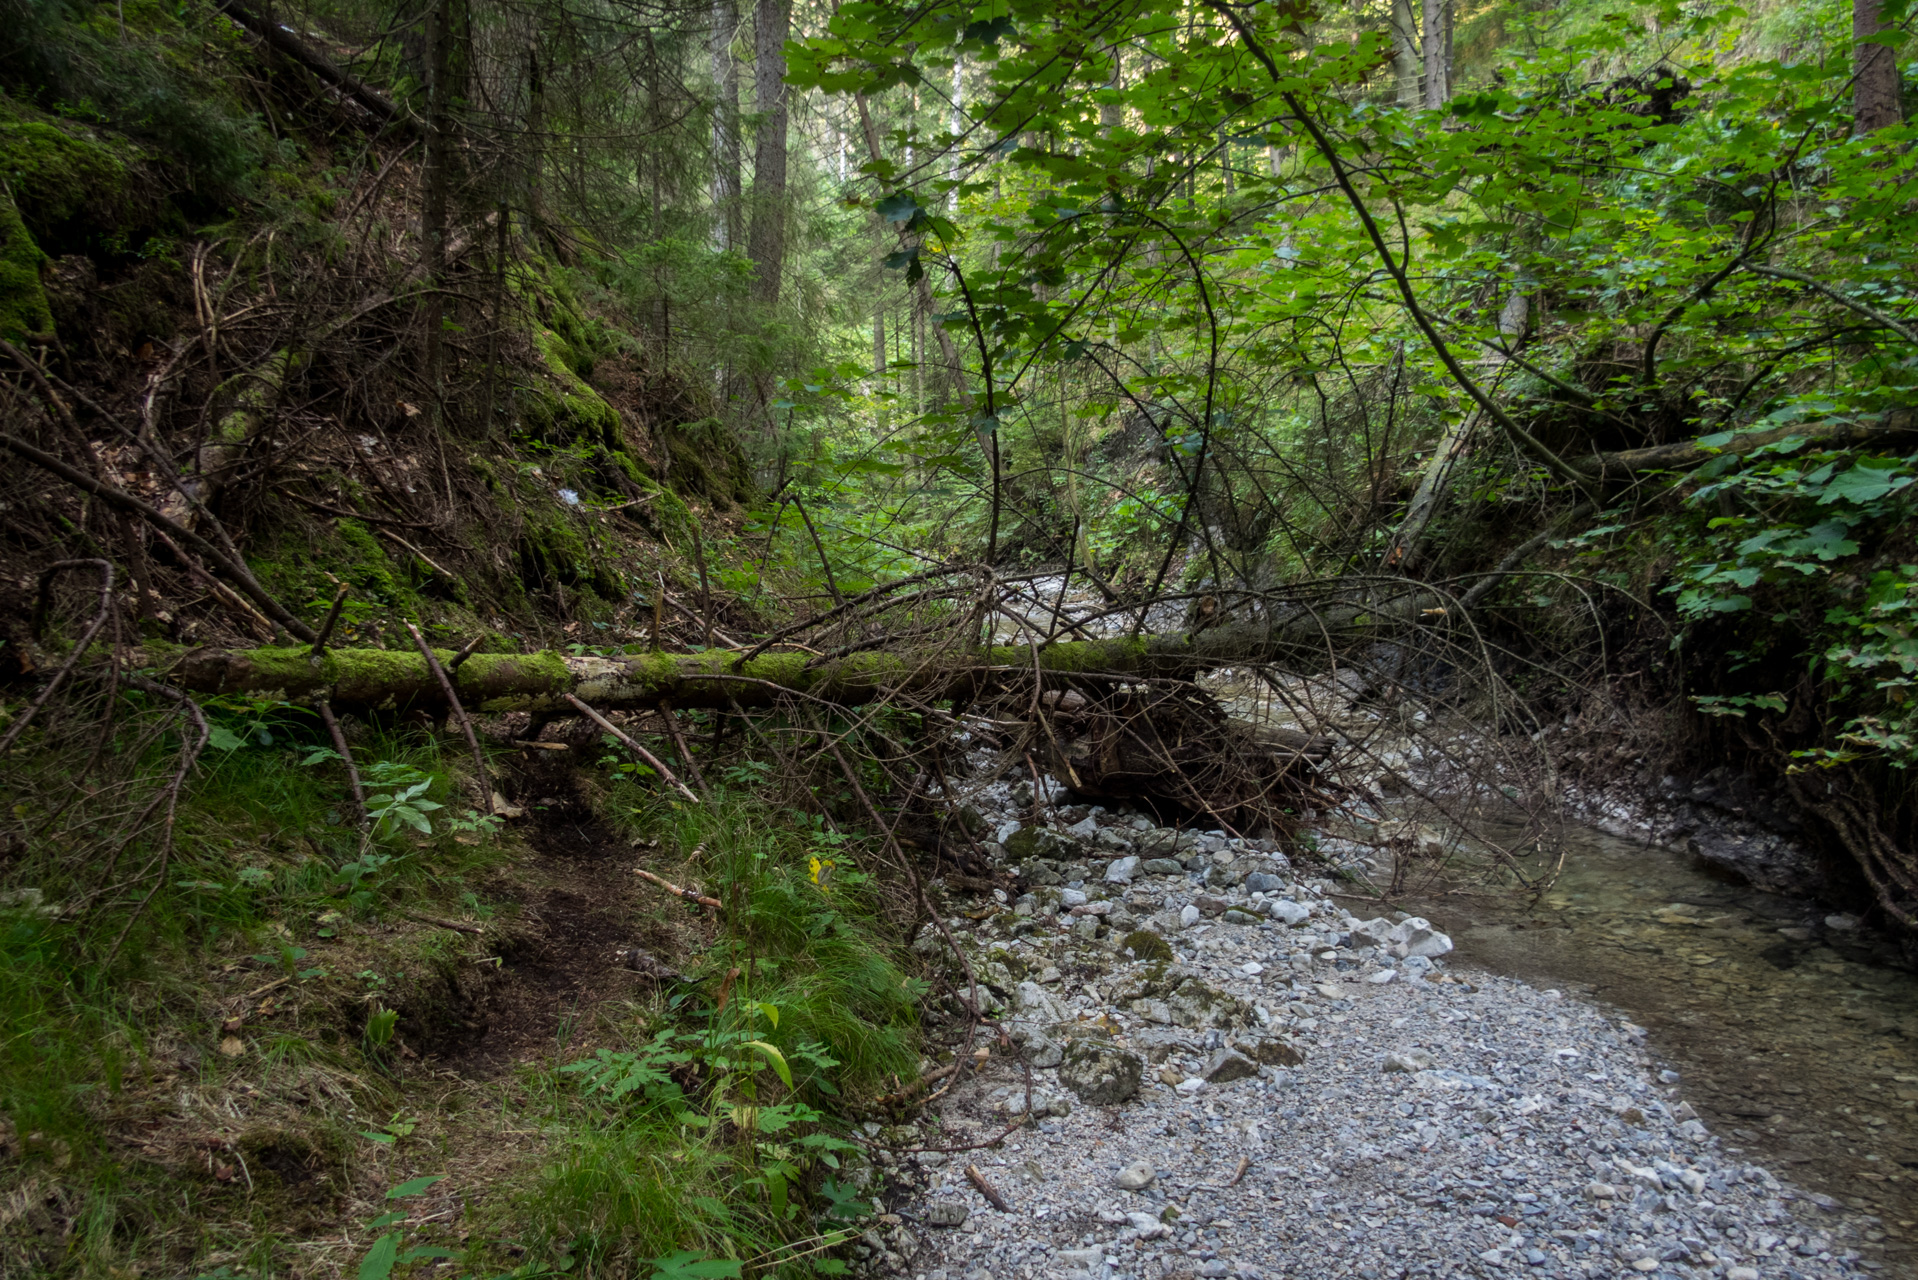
[1792, 1039]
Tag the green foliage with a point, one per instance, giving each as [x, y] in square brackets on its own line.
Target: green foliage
[143, 68]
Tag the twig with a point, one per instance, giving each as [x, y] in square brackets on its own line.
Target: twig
[326, 628]
[466, 651]
[346, 757]
[679, 742]
[431, 563]
[1245, 1162]
[459, 712]
[705, 587]
[1844, 300]
[188, 756]
[438, 923]
[113, 497]
[324, 509]
[923, 1082]
[986, 1189]
[831, 584]
[691, 895]
[79, 649]
[642, 752]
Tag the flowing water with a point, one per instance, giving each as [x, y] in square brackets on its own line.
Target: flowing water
[1793, 1040]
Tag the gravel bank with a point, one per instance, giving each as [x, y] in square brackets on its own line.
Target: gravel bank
[1232, 1076]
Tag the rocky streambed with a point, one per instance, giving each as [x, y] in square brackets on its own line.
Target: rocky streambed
[1227, 1068]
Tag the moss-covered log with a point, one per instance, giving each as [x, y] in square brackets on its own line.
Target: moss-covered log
[539, 682]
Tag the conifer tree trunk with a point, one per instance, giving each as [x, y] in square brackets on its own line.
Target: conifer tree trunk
[435, 181]
[1875, 88]
[1405, 54]
[726, 148]
[1437, 47]
[766, 235]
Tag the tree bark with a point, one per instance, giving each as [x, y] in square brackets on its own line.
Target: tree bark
[1437, 479]
[766, 235]
[1876, 83]
[436, 179]
[1405, 54]
[1437, 47]
[726, 148]
[1687, 454]
[368, 679]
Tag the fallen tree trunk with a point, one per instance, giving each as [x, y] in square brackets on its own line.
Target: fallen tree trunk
[372, 679]
[1686, 454]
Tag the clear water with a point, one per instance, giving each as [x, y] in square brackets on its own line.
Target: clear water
[1795, 1042]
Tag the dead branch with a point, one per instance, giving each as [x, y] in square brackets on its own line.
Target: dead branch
[332, 724]
[651, 759]
[459, 713]
[80, 647]
[690, 895]
[235, 571]
[986, 1189]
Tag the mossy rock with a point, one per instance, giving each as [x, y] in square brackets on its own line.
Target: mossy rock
[73, 189]
[708, 462]
[24, 313]
[573, 414]
[1147, 945]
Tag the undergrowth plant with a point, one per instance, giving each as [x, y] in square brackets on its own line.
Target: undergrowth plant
[723, 1095]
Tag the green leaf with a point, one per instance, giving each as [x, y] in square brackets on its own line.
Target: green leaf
[221, 738]
[687, 1265]
[414, 1186]
[379, 1260]
[774, 1057]
[900, 206]
[1868, 481]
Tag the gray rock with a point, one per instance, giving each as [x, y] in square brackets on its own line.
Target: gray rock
[946, 1213]
[1100, 1072]
[1228, 1065]
[1113, 838]
[1214, 1269]
[1235, 916]
[1041, 1050]
[1371, 933]
[1161, 867]
[1083, 1259]
[1147, 1226]
[1417, 937]
[1072, 897]
[1209, 905]
[1136, 1176]
[1264, 882]
[1287, 911]
[1122, 871]
[1036, 1002]
[1271, 1051]
[1188, 915]
[1410, 1062]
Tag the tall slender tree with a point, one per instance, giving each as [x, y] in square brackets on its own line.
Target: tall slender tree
[1876, 82]
[726, 148]
[766, 234]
